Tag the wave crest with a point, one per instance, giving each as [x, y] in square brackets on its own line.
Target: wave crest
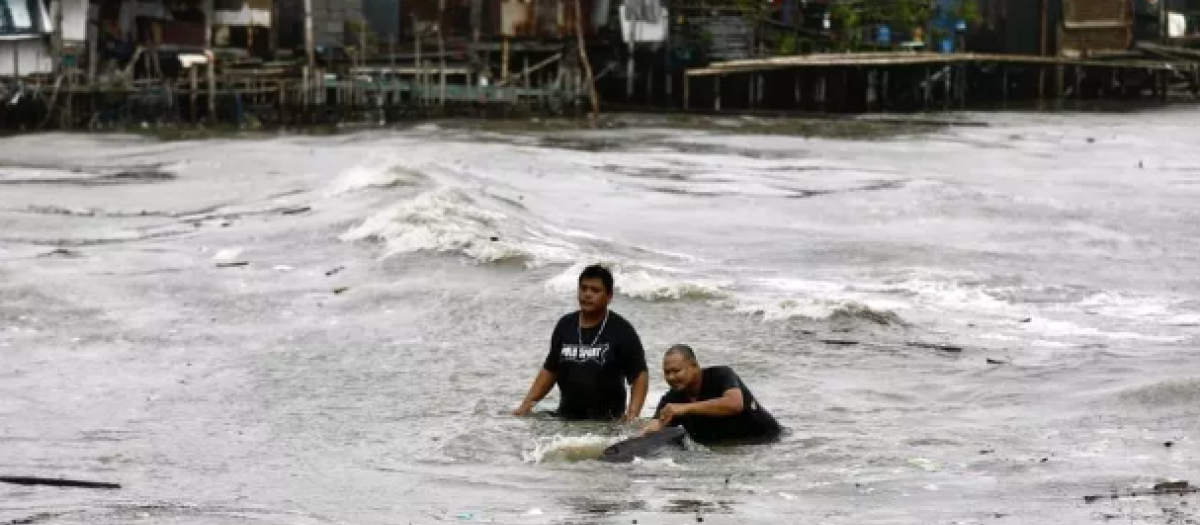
[818, 309]
[637, 282]
[445, 220]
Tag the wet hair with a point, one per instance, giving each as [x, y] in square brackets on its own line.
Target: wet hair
[684, 350]
[596, 271]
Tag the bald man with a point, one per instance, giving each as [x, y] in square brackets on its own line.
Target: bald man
[712, 404]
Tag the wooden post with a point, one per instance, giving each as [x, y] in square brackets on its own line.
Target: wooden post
[1045, 49]
[212, 87]
[687, 91]
[57, 38]
[309, 43]
[587, 65]
[717, 88]
[963, 86]
[194, 79]
[1004, 86]
[949, 85]
[1079, 83]
[504, 61]
[751, 83]
[629, 73]
[928, 87]
[212, 59]
[1060, 83]
[93, 53]
[442, 51]
[796, 86]
[417, 94]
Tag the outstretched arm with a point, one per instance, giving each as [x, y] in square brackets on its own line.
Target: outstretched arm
[537, 391]
[637, 396]
[545, 377]
[730, 403]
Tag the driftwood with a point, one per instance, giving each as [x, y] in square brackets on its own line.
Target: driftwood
[25, 480]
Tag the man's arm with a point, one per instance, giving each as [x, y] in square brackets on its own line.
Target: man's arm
[655, 423]
[637, 396]
[653, 426]
[637, 373]
[542, 384]
[729, 404]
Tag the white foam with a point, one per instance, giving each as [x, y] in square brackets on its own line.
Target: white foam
[375, 172]
[635, 281]
[447, 220]
[559, 448]
[1054, 328]
[813, 308]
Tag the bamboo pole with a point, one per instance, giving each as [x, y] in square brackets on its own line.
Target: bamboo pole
[418, 85]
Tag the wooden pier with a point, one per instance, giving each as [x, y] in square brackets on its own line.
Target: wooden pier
[918, 81]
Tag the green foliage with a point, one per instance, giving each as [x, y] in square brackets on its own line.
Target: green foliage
[788, 45]
[968, 11]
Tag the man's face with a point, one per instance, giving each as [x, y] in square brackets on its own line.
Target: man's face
[593, 297]
[679, 371]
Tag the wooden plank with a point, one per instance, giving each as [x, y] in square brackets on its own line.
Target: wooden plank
[885, 59]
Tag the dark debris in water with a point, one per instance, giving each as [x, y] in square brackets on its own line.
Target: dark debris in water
[1168, 488]
[58, 482]
[939, 347]
[62, 252]
[134, 176]
[839, 342]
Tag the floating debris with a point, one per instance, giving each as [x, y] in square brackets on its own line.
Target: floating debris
[27, 480]
[938, 347]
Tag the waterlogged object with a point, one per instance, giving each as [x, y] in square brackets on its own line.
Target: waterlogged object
[28, 480]
[644, 446]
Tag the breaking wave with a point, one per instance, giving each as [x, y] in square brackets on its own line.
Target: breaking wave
[816, 309]
[632, 280]
[374, 173]
[447, 220]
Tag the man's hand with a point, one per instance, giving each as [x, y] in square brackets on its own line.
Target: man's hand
[672, 411]
[654, 426]
[523, 410]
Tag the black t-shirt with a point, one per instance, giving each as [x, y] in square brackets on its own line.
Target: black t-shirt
[754, 424]
[592, 366]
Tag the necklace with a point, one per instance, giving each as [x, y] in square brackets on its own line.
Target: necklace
[579, 328]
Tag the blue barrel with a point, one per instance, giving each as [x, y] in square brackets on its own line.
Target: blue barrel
[884, 35]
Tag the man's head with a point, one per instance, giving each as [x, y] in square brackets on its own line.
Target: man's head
[680, 368]
[595, 289]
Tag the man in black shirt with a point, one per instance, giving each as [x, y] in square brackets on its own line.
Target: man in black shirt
[712, 404]
[593, 353]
